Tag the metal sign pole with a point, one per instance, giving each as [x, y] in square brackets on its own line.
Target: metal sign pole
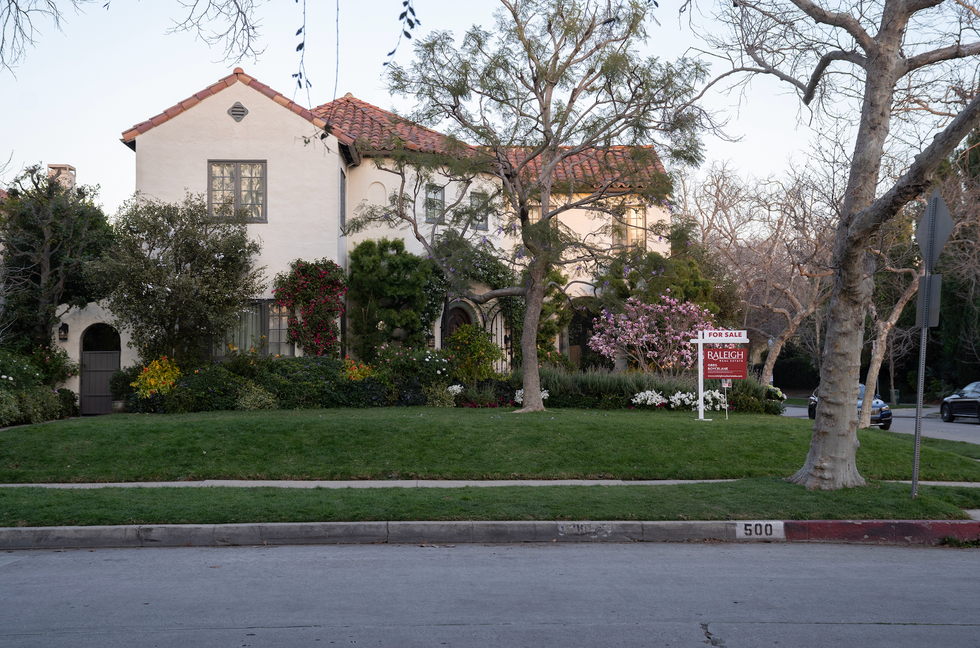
[931, 235]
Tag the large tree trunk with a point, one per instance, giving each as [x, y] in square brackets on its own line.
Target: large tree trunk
[529, 338]
[831, 461]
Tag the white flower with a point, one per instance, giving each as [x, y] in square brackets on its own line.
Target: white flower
[455, 390]
[650, 397]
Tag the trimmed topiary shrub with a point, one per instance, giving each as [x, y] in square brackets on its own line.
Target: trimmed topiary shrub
[38, 404]
[68, 401]
[9, 409]
[254, 397]
[209, 389]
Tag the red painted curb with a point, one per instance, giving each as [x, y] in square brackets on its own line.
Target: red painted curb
[927, 532]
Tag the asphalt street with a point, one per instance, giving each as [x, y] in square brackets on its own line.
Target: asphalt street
[903, 420]
[677, 595]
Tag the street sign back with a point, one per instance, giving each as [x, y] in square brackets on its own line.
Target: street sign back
[934, 229]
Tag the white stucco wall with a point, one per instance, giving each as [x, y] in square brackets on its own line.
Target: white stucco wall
[302, 171]
[78, 321]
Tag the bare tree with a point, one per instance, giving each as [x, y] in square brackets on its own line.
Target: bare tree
[774, 235]
[859, 65]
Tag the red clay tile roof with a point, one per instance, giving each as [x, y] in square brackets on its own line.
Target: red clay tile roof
[378, 129]
[3, 194]
[619, 166]
[354, 121]
[238, 76]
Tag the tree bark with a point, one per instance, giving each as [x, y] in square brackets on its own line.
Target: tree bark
[529, 341]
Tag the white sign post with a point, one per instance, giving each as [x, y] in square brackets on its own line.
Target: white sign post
[713, 337]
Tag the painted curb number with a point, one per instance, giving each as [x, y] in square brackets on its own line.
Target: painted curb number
[759, 531]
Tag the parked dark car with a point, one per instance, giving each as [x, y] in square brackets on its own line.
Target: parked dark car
[965, 403]
[881, 414]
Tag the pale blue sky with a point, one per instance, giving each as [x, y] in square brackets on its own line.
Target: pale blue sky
[72, 96]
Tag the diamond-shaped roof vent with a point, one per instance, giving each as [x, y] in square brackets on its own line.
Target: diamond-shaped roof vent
[238, 111]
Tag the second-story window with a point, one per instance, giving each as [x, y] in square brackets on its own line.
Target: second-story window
[636, 228]
[435, 203]
[480, 204]
[239, 185]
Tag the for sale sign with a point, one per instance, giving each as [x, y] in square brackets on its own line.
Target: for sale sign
[726, 363]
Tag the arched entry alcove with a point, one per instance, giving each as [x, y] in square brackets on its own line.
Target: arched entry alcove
[457, 316]
[100, 359]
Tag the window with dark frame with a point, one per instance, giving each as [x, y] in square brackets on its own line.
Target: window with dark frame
[238, 185]
[343, 199]
[480, 204]
[262, 325]
[435, 203]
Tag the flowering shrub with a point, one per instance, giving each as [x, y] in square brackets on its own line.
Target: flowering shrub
[53, 365]
[18, 372]
[683, 400]
[396, 364]
[649, 398]
[713, 400]
[317, 291]
[455, 390]
[774, 393]
[158, 378]
[654, 336]
[519, 396]
[356, 371]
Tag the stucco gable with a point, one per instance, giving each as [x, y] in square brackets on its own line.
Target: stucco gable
[238, 76]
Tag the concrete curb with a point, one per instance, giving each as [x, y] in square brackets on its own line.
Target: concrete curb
[900, 532]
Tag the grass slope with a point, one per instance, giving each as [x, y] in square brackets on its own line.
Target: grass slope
[429, 443]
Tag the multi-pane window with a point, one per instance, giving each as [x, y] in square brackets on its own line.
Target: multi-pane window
[480, 204]
[435, 203]
[262, 325]
[636, 228]
[238, 185]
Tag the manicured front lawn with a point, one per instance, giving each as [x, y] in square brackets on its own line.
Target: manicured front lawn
[433, 443]
[765, 498]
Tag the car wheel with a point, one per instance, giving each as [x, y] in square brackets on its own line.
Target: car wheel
[945, 414]
[885, 426]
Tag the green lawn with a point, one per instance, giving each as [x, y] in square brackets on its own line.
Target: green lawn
[765, 498]
[424, 443]
[410, 443]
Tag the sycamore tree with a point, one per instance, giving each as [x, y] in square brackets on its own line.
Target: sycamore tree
[179, 276]
[874, 70]
[551, 111]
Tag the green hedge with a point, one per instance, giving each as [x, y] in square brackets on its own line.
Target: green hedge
[413, 378]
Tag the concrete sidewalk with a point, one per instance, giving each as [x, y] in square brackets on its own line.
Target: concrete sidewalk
[902, 532]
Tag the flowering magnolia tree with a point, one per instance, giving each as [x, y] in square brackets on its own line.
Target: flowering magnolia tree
[316, 291]
[654, 336]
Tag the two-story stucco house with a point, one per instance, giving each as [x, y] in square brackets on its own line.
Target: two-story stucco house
[300, 173]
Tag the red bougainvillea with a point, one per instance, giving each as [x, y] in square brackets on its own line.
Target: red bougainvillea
[315, 291]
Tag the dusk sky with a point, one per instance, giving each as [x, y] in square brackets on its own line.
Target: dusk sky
[71, 97]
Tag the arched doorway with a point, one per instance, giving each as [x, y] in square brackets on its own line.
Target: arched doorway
[100, 359]
[456, 317]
